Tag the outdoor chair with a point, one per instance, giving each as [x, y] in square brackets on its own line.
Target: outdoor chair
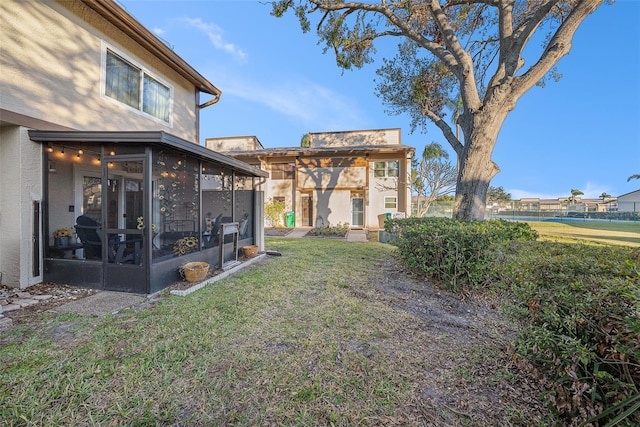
[212, 234]
[90, 233]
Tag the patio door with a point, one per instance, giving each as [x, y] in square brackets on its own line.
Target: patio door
[124, 234]
[307, 209]
[357, 211]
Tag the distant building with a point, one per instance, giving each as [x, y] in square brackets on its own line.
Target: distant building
[629, 202]
[352, 177]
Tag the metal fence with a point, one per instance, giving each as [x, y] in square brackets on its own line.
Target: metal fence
[515, 211]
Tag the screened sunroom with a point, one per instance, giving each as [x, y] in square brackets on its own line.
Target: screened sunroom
[125, 210]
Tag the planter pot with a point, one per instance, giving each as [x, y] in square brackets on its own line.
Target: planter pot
[194, 271]
[61, 241]
[250, 251]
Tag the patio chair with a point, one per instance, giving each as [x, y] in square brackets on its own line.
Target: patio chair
[89, 232]
[243, 228]
[211, 238]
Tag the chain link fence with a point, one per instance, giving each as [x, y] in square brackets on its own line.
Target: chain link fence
[515, 210]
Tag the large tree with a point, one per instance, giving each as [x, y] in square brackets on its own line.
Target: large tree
[471, 50]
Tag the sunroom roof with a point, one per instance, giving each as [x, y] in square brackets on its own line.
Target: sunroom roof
[155, 138]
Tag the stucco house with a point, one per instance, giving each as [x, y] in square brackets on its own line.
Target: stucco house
[629, 202]
[99, 140]
[348, 177]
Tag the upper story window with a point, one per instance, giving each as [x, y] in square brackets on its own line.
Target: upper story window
[388, 169]
[282, 171]
[135, 87]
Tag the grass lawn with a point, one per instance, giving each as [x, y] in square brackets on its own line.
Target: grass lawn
[612, 233]
[330, 333]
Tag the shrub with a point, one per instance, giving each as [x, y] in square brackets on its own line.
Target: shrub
[579, 306]
[338, 230]
[453, 252]
[274, 211]
[580, 310]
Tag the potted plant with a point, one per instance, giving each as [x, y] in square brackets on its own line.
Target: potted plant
[61, 236]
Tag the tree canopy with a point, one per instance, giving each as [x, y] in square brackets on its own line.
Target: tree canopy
[498, 194]
[467, 53]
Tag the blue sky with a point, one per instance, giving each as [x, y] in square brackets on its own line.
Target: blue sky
[582, 132]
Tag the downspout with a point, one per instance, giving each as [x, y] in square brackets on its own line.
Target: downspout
[216, 98]
[258, 207]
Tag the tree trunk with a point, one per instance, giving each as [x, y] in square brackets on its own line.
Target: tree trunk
[476, 169]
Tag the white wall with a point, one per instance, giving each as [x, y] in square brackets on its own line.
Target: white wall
[20, 184]
[355, 138]
[332, 177]
[239, 143]
[331, 207]
[629, 202]
[51, 70]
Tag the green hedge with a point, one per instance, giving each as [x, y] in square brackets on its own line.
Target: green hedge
[579, 306]
[580, 310]
[453, 252]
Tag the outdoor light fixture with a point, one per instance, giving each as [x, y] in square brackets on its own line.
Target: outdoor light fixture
[49, 149]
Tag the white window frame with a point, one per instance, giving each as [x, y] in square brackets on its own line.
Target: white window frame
[396, 169]
[385, 171]
[143, 72]
[391, 202]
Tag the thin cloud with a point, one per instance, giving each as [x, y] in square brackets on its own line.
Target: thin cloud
[314, 105]
[593, 191]
[159, 31]
[215, 35]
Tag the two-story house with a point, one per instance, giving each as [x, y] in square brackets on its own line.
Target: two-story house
[351, 177]
[102, 180]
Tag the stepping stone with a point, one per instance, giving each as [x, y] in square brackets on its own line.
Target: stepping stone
[10, 307]
[42, 297]
[25, 302]
[23, 295]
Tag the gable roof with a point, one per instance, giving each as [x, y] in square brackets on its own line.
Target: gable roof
[629, 193]
[126, 23]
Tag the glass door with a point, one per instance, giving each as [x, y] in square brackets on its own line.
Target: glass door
[357, 211]
[125, 231]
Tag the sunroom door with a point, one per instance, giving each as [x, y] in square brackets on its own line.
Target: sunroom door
[125, 232]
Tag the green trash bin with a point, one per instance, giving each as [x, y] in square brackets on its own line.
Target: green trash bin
[290, 219]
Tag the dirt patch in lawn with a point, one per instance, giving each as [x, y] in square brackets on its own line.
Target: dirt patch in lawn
[57, 295]
[468, 373]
